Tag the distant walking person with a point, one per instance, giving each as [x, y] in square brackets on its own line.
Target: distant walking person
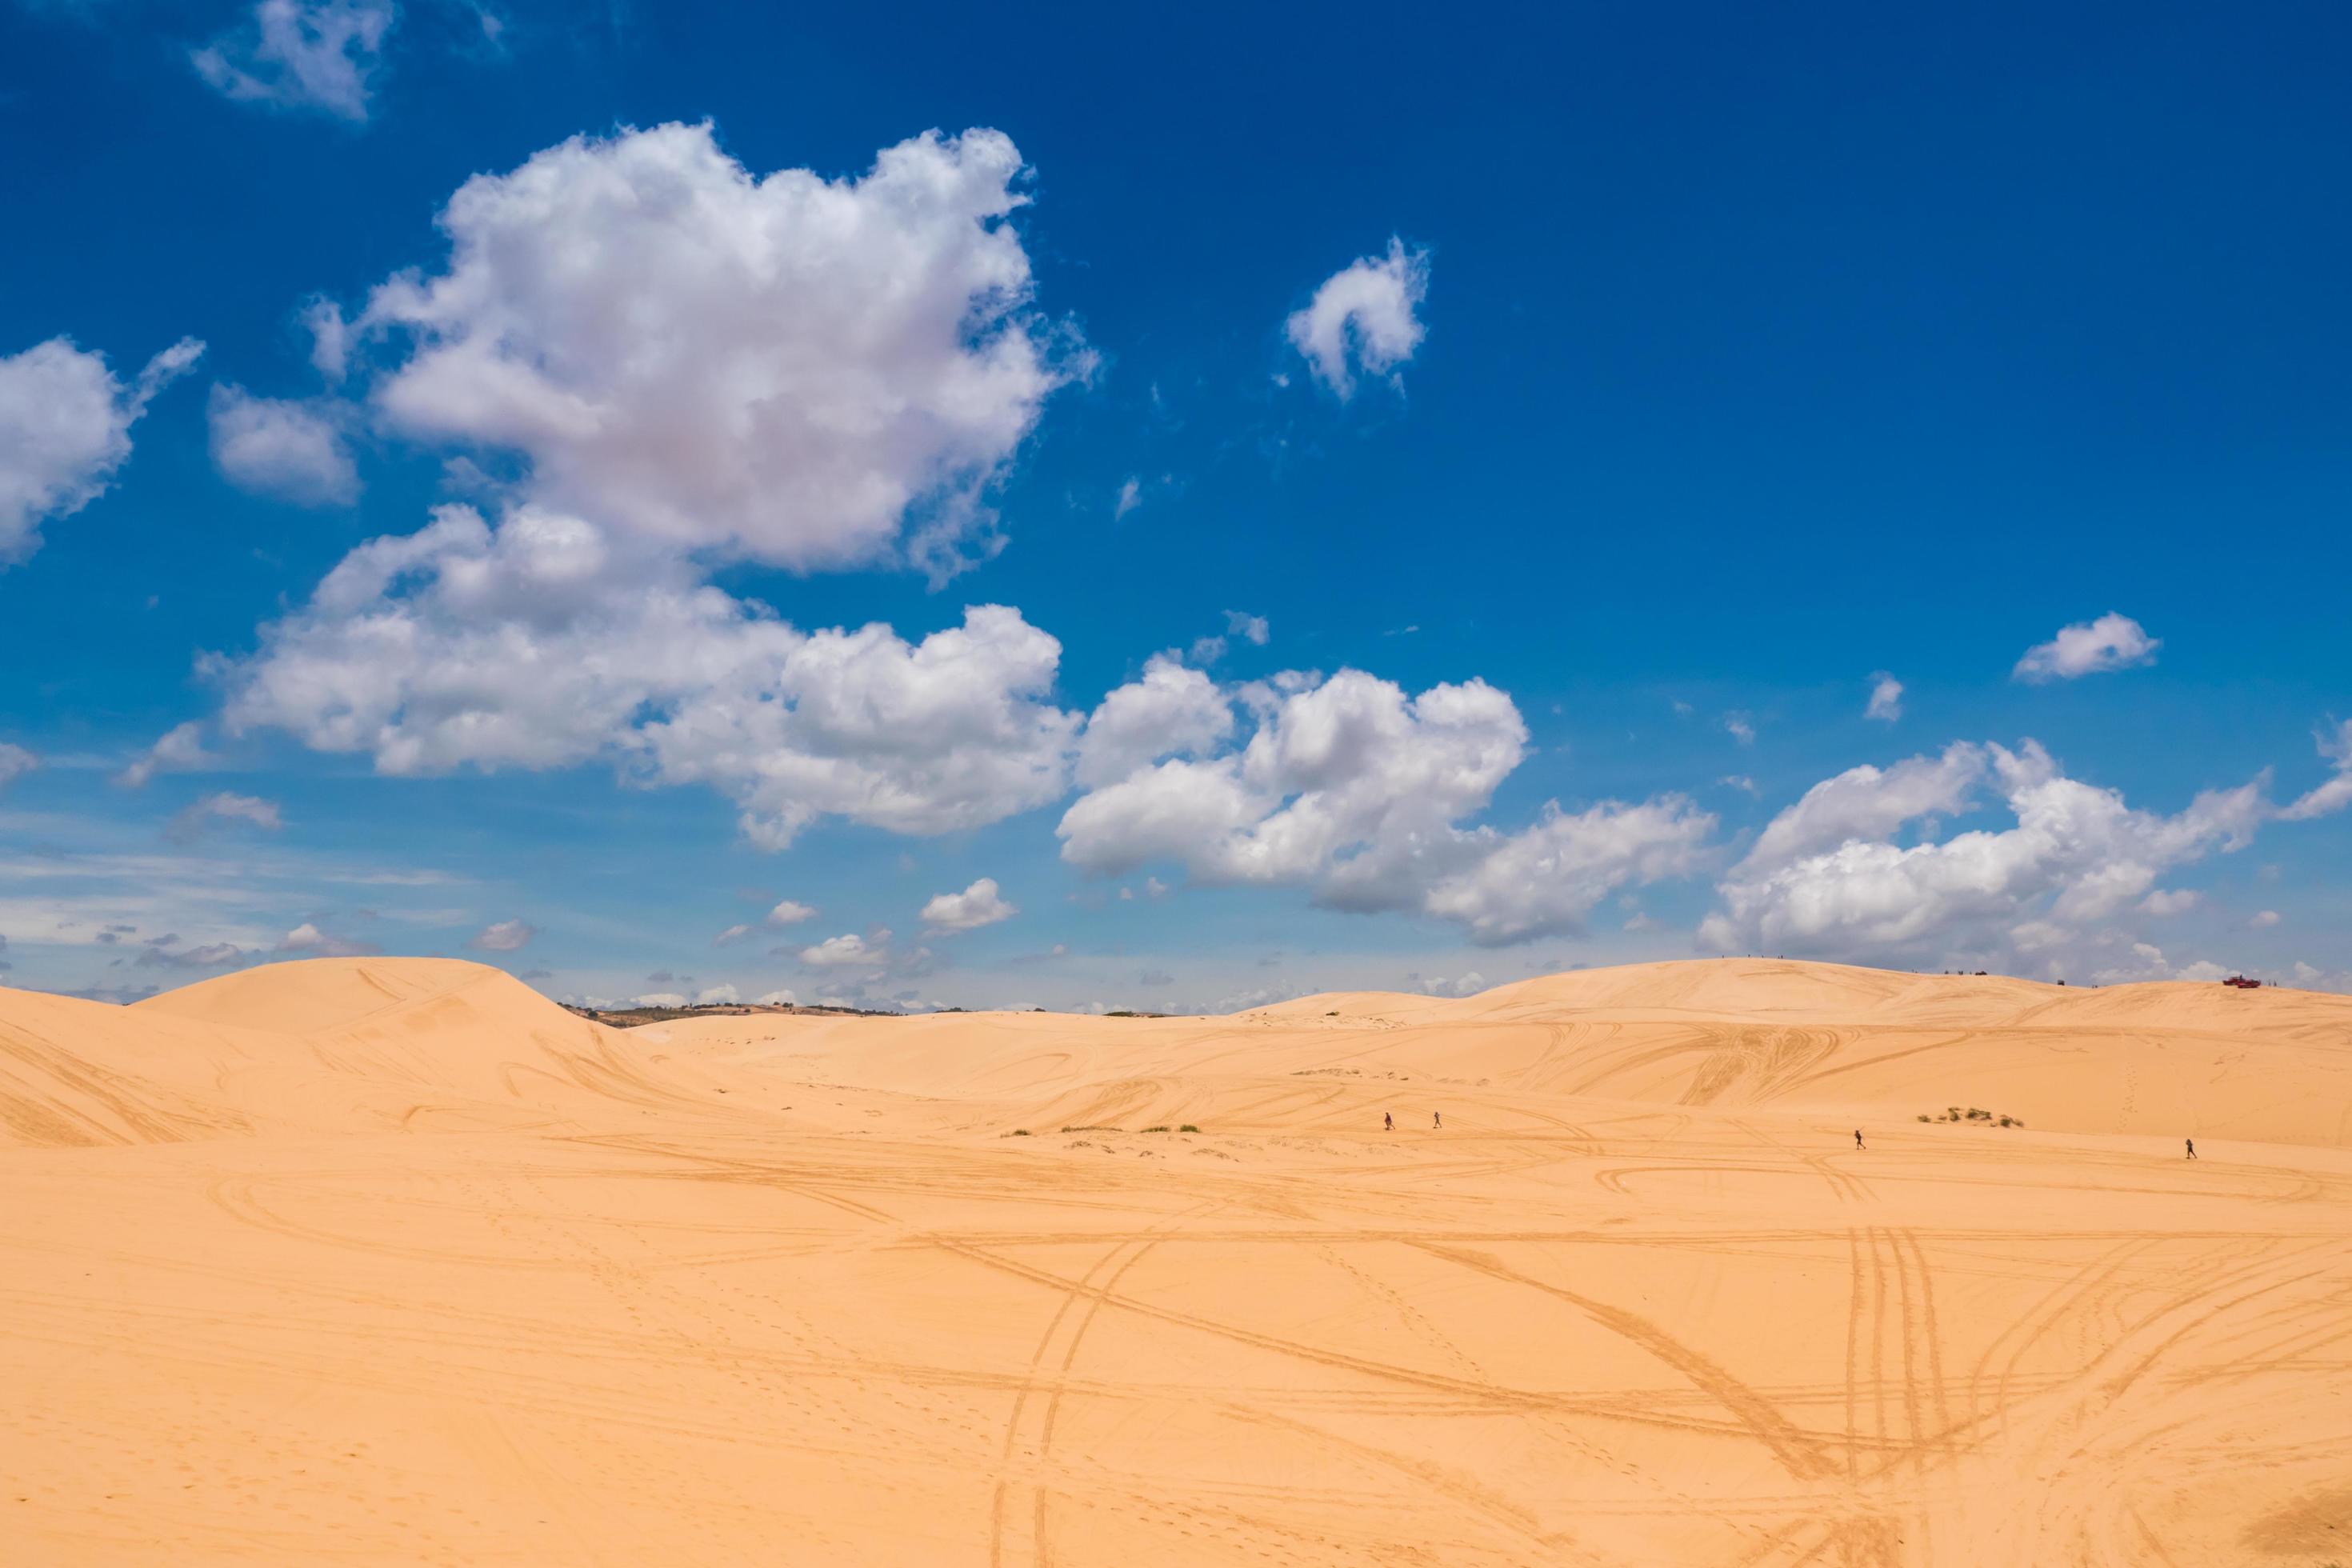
[2192, 1147]
[1388, 1121]
[1857, 1138]
[1435, 1120]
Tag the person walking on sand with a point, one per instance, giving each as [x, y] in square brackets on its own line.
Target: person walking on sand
[1388, 1121]
[2192, 1147]
[1435, 1120]
[1857, 1138]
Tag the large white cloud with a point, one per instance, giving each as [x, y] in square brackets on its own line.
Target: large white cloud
[1364, 318]
[291, 450]
[542, 642]
[695, 364]
[809, 372]
[954, 731]
[1349, 787]
[1827, 877]
[1549, 878]
[2112, 642]
[1867, 801]
[65, 429]
[1171, 709]
[302, 54]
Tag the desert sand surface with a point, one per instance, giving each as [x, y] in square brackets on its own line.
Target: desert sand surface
[394, 1261]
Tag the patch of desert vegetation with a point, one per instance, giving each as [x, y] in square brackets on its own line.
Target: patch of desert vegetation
[1973, 1113]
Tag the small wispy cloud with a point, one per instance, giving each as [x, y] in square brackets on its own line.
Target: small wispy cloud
[180, 750]
[223, 807]
[503, 936]
[2094, 647]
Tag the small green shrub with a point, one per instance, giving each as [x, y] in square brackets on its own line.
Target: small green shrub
[1162, 1128]
[1973, 1113]
[1188, 1127]
[1018, 1132]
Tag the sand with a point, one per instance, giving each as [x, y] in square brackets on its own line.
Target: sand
[393, 1261]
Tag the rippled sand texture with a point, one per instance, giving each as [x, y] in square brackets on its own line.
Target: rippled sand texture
[391, 1261]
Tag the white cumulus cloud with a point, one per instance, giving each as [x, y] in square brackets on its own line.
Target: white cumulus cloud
[16, 762]
[1350, 788]
[790, 912]
[2092, 648]
[977, 905]
[64, 430]
[697, 364]
[809, 372]
[1171, 709]
[1549, 878]
[1828, 878]
[543, 643]
[291, 450]
[1364, 318]
[1867, 801]
[1885, 699]
[849, 951]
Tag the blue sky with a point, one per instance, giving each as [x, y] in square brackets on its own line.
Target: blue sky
[1448, 492]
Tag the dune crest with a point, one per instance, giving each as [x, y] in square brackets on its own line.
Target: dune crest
[321, 1045]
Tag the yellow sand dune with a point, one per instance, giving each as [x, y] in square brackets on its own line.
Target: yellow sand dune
[394, 1261]
[321, 1045]
[2169, 1060]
